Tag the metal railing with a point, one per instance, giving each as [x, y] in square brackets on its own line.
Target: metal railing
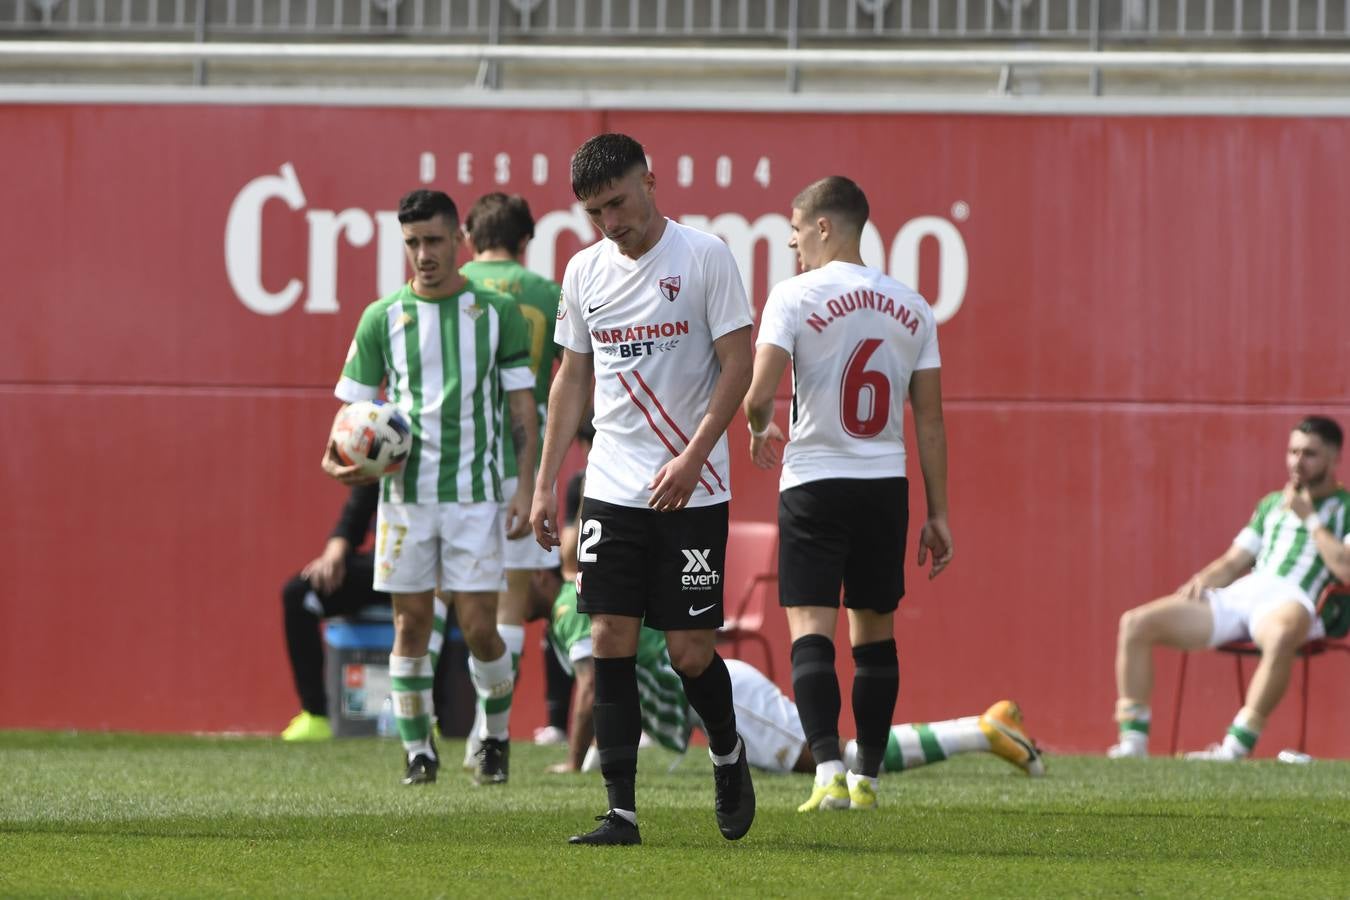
[778, 22]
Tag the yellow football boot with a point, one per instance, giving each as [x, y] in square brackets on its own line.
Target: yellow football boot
[832, 795]
[308, 727]
[1002, 725]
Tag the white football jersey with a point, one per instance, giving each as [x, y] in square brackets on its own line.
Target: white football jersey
[650, 324]
[855, 336]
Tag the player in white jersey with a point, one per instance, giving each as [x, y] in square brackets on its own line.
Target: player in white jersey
[445, 350]
[858, 342]
[656, 312]
[1264, 590]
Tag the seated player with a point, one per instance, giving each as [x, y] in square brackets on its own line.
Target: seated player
[336, 583]
[1264, 589]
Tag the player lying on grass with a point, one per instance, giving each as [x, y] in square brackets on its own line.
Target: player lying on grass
[769, 723]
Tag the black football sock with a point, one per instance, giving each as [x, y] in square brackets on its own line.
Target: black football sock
[815, 684]
[618, 727]
[876, 684]
[710, 696]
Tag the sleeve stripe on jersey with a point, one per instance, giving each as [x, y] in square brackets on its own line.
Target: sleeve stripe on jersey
[638, 403]
[349, 390]
[638, 375]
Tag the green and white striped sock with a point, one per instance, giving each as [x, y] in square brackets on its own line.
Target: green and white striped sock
[1241, 737]
[922, 743]
[410, 685]
[494, 680]
[437, 643]
[1134, 721]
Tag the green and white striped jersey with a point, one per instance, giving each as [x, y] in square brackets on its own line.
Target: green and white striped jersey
[665, 709]
[537, 299]
[1282, 545]
[446, 363]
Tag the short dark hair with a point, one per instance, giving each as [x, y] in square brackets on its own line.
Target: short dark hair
[603, 160]
[837, 196]
[499, 222]
[1325, 428]
[422, 204]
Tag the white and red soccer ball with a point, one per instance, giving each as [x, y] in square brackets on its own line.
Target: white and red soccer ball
[374, 436]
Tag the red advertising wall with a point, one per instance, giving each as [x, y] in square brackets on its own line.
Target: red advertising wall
[1134, 311]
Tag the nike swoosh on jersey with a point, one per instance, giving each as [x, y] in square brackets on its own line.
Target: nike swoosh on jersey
[699, 612]
[594, 306]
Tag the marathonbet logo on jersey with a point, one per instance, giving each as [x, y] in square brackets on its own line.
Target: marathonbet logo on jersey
[698, 573]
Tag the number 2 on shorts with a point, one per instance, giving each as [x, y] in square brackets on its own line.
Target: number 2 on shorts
[590, 531]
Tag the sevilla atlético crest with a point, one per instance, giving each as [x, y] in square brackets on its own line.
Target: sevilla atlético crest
[670, 286]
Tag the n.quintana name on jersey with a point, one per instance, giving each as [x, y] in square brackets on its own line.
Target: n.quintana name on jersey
[639, 332]
[855, 300]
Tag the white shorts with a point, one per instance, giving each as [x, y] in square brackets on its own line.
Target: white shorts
[766, 718]
[1239, 607]
[450, 546]
[525, 553]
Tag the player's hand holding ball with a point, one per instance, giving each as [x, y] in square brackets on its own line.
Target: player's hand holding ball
[368, 440]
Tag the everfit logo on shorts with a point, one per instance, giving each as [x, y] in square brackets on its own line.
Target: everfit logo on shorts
[698, 572]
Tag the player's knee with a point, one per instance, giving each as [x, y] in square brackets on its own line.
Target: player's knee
[1283, 638]
[479, 635]
[412, 622]
[1133, 625]
[691, 659]
[293, 594]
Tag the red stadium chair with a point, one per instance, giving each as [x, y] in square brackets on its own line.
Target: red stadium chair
[751, 586]
[1334, 609]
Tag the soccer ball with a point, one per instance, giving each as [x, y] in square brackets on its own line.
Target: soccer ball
[374, 436]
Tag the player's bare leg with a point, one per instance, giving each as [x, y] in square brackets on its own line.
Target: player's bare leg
[511, 606]
[1279, 633]
[493, 680]
[1171, 622]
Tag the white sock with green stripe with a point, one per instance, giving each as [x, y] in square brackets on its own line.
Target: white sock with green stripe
[921, 743]
[410, 685]
[1134, 720]
[494, 681]
[1241, 736]
[437, 642]
[513, 636]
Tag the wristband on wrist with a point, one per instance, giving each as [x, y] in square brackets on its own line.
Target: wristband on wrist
[757, 435]
[1313, 522]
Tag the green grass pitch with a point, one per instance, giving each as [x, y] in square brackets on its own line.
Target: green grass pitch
[126, 815]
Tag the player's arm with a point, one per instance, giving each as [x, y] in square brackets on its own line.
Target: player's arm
[766, 440]
[568, 398]
[930, 437]
[1235, 563]
[581, 730]
[1334, 552]
[674, 482]
[362, 375]
[525, 438]
[326, 572]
